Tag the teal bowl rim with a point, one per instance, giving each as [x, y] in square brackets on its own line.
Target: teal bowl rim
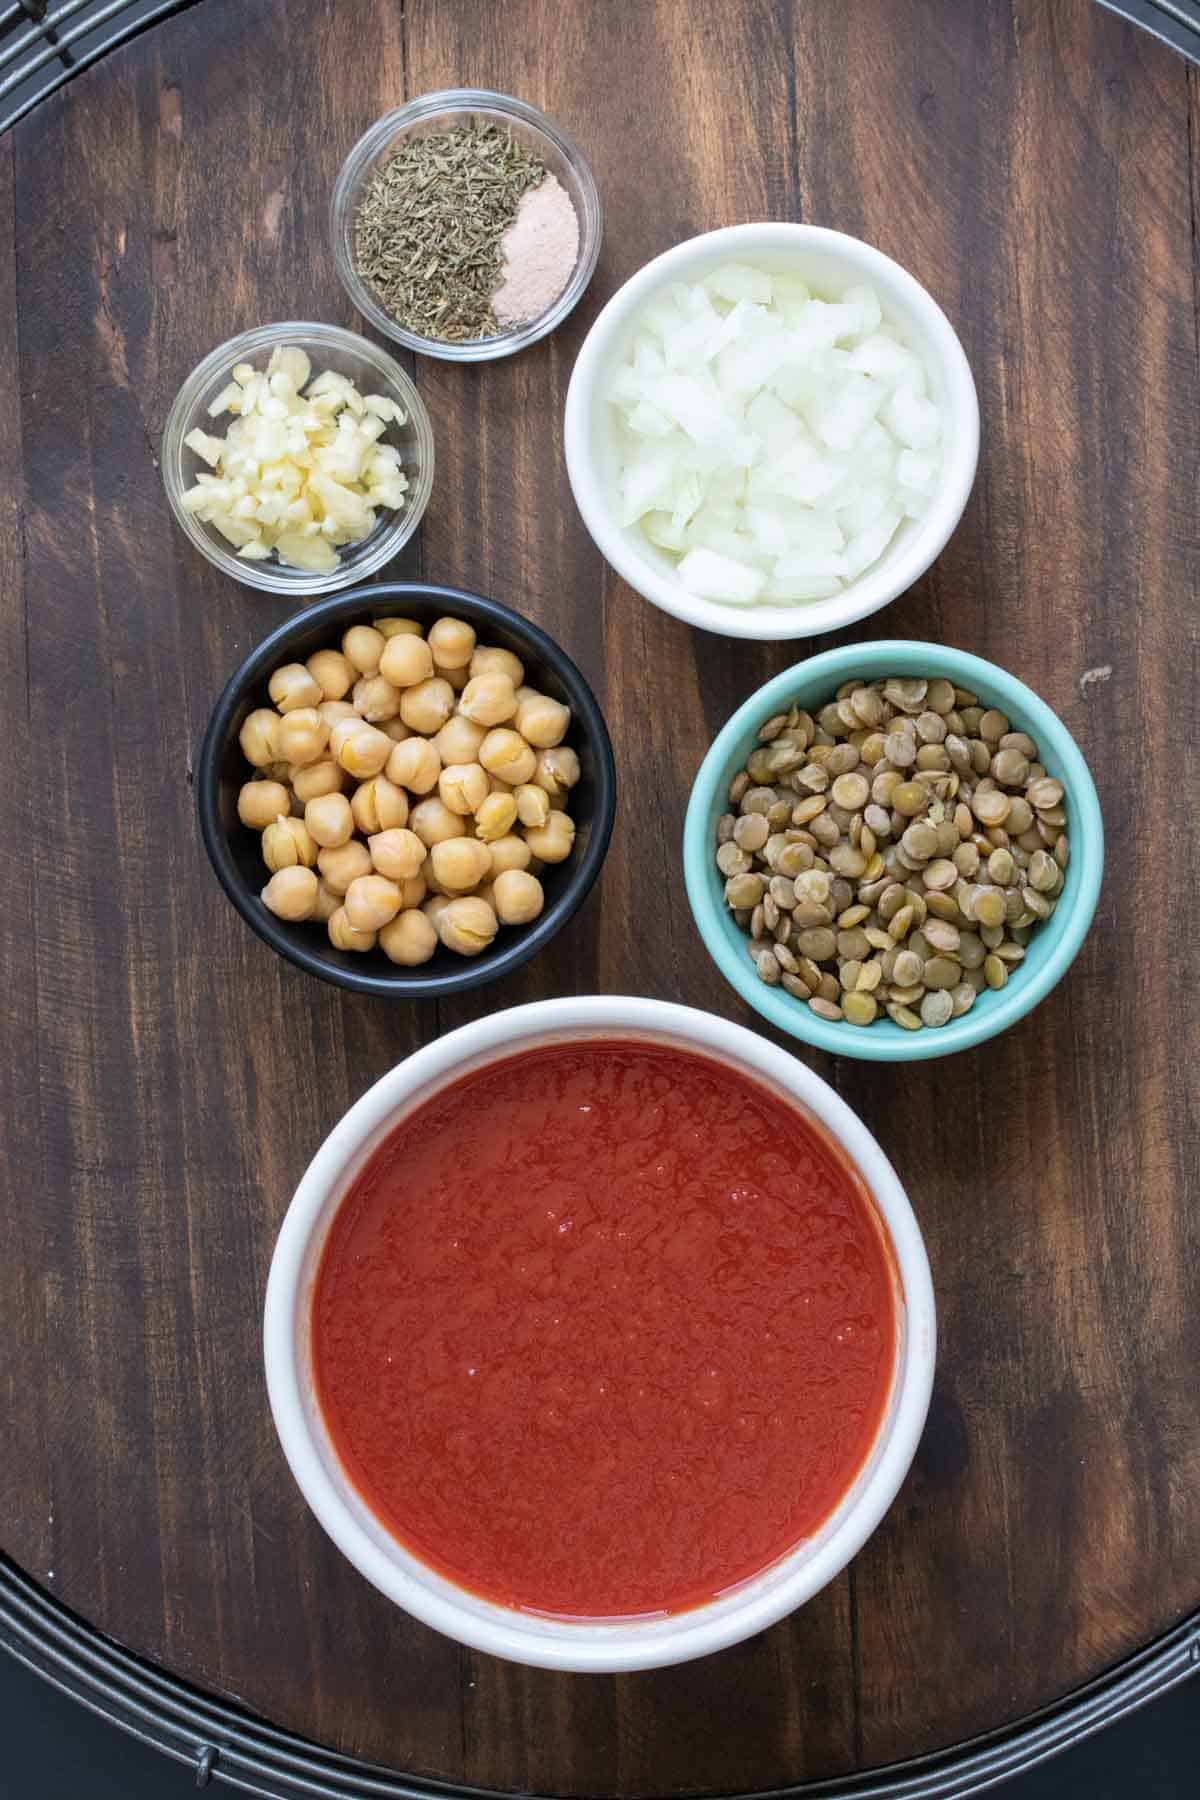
[1062, 935]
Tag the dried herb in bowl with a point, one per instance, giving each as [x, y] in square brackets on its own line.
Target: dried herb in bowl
[429, 227]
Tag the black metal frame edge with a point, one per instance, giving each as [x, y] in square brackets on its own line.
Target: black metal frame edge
[63, 53]
[222, 1743]
[1174, 22]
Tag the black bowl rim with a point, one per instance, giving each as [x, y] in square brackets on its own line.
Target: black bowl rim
[378, 597]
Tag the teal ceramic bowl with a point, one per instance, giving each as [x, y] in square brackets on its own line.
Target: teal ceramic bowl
[1051, 948]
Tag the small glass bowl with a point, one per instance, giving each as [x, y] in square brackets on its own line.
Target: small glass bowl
[372, 370]
[440, 112]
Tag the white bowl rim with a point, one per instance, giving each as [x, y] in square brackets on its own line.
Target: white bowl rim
[604, 1646]
[879, 585]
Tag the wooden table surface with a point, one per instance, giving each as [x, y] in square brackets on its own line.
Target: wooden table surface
[168, 1077]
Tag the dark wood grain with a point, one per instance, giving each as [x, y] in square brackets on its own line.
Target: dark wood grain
[167, 1078]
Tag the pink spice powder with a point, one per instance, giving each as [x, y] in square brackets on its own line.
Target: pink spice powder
[540, 247]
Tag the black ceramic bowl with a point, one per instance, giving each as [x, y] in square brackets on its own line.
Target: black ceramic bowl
[235, 851]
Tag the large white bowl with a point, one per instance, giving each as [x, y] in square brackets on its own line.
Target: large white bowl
[551, 1643]
[829, 261]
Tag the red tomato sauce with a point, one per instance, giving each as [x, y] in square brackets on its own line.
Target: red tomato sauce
[604, 1329]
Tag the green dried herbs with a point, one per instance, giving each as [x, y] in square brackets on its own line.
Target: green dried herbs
[428, 228]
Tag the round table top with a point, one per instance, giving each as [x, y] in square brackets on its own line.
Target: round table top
[169, 1077]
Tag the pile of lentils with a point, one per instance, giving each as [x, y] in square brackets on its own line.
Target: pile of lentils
[894, 853]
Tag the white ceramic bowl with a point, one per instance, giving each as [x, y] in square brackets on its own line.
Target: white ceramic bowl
[830, 262]
[501, 1631]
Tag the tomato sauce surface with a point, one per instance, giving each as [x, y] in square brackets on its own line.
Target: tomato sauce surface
[604, 1329]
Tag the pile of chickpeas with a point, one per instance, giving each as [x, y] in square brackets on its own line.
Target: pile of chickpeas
[409, 788]
[892, 852]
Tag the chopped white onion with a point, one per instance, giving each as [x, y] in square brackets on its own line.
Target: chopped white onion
[771, 441]
[301, 470]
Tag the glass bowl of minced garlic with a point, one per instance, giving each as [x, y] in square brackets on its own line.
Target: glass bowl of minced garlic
[298, 458]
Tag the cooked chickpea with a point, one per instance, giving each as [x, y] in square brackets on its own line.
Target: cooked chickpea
[344, 936]
[291, 893]
[487, 891]
[540, 720]
[434, 907]
[461, 863]
[332, 672]
[506, 754]
[488, 699]
[406, 660]
[362, 647]
[467, 925]
[397, 854]
[375, 699]
[334, 711]
[396, 729]
[330, 821]
[341, 733]
[533, 804]
[409, 939]
[433, 821]
[459, 739]
[361, 750]
[379, 805]
[496, 817]
[509, 853]
[551, 842]
[292, 686]
[458, 678]
[557, 770]
[432, 884]
[261, 802]
[393, 627]
[517, 897]
[345, 864]
[288, 843]
[412, 890]
[415, 764]
[427, 706]
[489, 659]
[303, 735]
[463, 787]
[259, 737]
[452, 642]
[314, 779]
[371, 901]
[327, 903]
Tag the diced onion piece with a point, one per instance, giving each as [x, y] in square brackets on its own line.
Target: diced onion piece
[738, 281]
[714, 577]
